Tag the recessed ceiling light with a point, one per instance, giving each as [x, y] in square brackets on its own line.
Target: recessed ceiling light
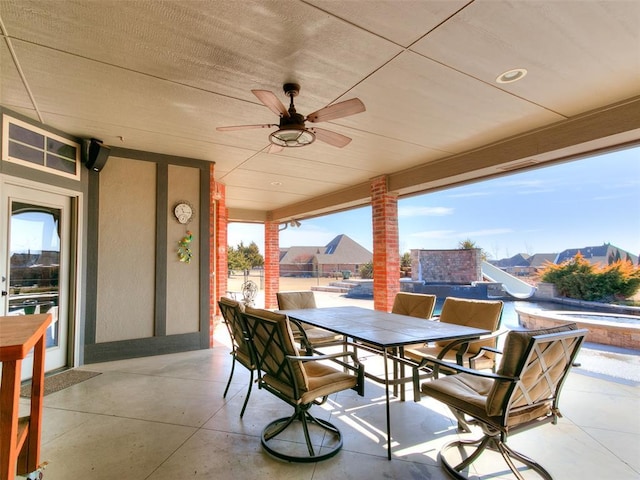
[276, 184]
[512, 75]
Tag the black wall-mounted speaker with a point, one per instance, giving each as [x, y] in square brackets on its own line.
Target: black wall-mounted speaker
[96, 154]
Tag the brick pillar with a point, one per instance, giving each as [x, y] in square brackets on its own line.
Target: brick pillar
[271, 263]
[386, 254]
[218, 248]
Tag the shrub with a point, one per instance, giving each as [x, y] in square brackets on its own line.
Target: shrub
[366, 270]
[577, 278]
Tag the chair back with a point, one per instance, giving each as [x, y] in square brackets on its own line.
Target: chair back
[540, 360]
[272, 341]
[295, 300]
[414, 304]
[232, 313]
[485, 314]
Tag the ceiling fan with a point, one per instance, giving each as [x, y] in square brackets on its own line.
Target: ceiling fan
[292, 131]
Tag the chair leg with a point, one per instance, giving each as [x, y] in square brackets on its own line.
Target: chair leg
[246, 400]
[461, 444]
[233, 366]
[226, 390]
[463, 426]
[510, 453]
[278, 426]
[490, 442]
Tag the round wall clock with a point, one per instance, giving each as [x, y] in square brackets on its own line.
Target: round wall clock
[184, 212]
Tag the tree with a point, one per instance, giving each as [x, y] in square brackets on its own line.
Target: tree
[244, 257]
[405, 260]
[469, 244]
[236, 261]
[253, 255]
[366, 270]
[577, 278]
[405, 264]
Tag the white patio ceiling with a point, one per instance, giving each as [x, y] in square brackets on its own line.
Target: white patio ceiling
[160, 76]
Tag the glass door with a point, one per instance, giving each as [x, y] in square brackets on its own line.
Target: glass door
[37, 261]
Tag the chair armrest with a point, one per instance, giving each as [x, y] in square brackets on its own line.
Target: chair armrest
[327, 356]
[482, 350]
[466, 342]
[497, 351]
[463, 345]
[462, 369]
[301, 336]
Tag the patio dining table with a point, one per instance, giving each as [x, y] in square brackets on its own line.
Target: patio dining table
[384, 333]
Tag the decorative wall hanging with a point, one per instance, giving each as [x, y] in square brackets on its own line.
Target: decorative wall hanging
[184, 248]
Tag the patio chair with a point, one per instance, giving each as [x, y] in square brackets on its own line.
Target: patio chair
[300, 381]
[240, 349]
[477, 354]
[524, 394]
[316, 337]
[417, 305]
[414, 304]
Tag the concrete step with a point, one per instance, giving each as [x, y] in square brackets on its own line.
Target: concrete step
[330, 288]
[343, 284]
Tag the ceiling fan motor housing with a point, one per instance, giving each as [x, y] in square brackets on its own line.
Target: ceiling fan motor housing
[292, 132]
[294, 120]
[291, 89]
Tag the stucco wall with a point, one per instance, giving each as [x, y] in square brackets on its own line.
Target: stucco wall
[126, 245]
[183, 292]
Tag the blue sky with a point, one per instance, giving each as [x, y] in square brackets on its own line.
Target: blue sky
[576, 204]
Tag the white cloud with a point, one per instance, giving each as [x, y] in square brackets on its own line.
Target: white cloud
[434, 234]
[614, 196]
[416, 211]
[469, 194]
[526, 183]
[485, 233]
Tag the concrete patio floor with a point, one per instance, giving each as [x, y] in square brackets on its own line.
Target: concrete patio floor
[164, 417]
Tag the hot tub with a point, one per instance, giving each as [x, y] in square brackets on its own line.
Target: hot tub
[605, 328]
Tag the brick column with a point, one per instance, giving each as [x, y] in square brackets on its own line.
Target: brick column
[218, 247]
[386, 254]
[271, 263]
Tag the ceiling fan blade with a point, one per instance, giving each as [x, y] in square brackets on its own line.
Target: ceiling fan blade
[272, 102]
[337, 110]
[332, 138]
[273, 148]
[245, 127]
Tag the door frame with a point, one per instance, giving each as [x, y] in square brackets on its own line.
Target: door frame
[76, 256]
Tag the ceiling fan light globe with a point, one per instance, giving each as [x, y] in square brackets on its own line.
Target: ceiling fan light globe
[292, 137]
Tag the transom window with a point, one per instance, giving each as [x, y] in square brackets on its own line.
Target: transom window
[34, 147]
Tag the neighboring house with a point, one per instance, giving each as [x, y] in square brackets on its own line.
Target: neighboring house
[342, 254]
[518, 265]
[525, 265]
[540, 260]
[605, 254]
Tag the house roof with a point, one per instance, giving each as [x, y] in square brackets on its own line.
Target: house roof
[603, 254]
[300, 254]
[162, 76]
[539, 260]
[341, 250]
[518, 260]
